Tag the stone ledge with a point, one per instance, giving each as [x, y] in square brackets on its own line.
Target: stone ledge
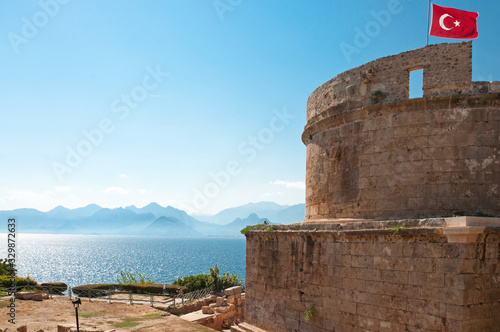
[464, 229]
[341, 114]
[361, 224]
[466, 234]
[472, 221]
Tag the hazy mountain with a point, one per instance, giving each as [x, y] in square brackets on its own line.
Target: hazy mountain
[113, 221]
[290, 215]
[59, 212]
[281, 214]
[23, 212]
[153, 208]
[152, 219]
[199, 226]
[65, 213]
[27, 220]
[234, 227]
[169, 211]
[169, 227]
[263, 209]
[87, 211]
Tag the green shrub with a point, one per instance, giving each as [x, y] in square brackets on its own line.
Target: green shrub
[5, 281]
[5, 267]
[193, 282]
[309, 313]
[133, 278]
[57, 288]
[150, 288]
[6, 274]
[251, 228]
[202, 281]
[99, 290]
[31, 289]
[227, 281]
[377, 96]
[246, 230]
[94, 290]
[397, 229]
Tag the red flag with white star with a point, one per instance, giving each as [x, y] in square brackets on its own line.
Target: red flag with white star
[453, 23]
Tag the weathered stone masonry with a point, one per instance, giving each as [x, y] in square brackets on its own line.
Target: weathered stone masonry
[361, 279]
[380, 249]
[402, 158]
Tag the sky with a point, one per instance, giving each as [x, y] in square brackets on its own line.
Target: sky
[197, 104]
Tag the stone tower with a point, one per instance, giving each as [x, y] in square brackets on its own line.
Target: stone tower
[374, 153]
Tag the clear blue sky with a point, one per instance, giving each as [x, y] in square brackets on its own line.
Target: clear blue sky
[128, 102]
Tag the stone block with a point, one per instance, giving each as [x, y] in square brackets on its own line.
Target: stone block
[233, 290]
[25, 295]
[426, 279]
[38, 297]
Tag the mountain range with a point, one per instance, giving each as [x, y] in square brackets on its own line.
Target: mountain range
[151, 220]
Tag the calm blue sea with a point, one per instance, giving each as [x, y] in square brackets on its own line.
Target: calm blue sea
[89, 259]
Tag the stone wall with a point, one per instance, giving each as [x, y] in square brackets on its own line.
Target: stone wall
[226, 311]
[411, 275]
[400, 157]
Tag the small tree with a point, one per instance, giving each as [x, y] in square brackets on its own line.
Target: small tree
[6, 268]
[214, 277]
[129, 278]
[201, 281]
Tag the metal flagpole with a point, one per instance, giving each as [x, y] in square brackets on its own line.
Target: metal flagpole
[428, 15]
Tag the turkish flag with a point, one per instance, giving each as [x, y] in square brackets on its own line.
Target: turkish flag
[453, 23]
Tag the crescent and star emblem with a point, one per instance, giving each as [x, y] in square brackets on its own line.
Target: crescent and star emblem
[444, 27]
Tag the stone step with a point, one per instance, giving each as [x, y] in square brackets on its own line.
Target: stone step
[249, 328]
[235, 328]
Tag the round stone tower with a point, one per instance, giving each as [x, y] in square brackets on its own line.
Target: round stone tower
[373, 153]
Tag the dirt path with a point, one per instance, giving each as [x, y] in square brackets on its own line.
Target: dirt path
[116, 316]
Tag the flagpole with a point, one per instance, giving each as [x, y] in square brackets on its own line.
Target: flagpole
[428, 15]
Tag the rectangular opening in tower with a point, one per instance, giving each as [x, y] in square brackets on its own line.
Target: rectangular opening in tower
[416, 83]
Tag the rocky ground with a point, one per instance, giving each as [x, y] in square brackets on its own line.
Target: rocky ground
[100, 315]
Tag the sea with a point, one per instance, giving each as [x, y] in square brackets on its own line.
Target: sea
[92, 259]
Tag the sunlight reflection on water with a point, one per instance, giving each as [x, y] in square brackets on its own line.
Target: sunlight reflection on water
[88, 259]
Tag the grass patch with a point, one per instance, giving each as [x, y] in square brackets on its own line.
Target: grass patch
[270, 229]
[132, 322]
[397, 229]
[153, 316]
[92, 314]
[246, 230]
[251, 228]
[127, 322]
